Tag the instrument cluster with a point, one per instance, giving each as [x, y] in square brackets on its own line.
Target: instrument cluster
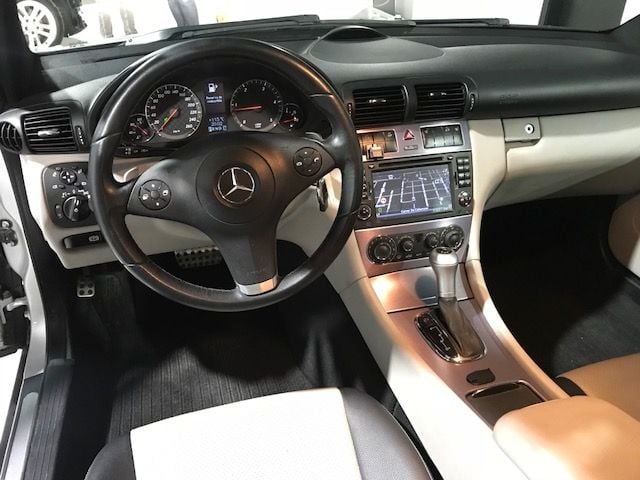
[176, 111]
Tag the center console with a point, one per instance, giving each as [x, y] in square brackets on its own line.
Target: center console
[412, 232]
[417, 194]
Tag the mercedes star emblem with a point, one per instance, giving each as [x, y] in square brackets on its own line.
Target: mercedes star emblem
[236, 185]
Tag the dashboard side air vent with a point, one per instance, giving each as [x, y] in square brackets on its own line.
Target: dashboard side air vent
[10, 137]
[442, 100]
[378, 106]
[49, 131]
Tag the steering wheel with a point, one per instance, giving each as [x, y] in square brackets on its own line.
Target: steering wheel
[234, 187]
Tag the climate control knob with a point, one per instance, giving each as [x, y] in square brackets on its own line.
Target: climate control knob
[76, 208]
[452, 237]
[382, 250]
[407, 245]
[431, 241]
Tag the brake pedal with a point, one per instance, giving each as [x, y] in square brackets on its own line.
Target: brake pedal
[198, 257]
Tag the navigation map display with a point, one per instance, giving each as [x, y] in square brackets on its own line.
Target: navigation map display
[410, 192]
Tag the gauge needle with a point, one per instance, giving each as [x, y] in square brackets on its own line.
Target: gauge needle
[290, 120]
[247, 109]
[169, 118]
[142, 130]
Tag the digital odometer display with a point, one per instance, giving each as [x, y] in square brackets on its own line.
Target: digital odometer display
[173, 111]
[410, 192]
[215, 106]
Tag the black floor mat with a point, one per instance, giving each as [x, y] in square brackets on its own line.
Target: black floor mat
[553, 280]
[223, 366]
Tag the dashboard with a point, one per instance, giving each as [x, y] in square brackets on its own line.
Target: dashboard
[207, 99]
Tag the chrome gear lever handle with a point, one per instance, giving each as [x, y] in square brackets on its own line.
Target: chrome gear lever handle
[444, 262]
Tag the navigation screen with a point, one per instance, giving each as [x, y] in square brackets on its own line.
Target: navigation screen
[214, 104]
[412, 192]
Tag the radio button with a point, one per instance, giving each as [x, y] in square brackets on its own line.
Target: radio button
[365, 212]
[464, 199]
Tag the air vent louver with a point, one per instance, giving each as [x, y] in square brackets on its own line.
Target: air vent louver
[437, 101]
[10, 137]
[378, 106]
[49, 131]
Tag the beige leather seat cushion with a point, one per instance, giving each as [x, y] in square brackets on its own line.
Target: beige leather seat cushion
[616, 381]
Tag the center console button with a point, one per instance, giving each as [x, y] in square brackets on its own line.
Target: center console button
[364, 213]
[464, 199]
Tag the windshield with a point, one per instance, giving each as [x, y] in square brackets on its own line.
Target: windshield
[60, 24]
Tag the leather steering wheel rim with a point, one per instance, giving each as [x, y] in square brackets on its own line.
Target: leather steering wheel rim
[112, 200]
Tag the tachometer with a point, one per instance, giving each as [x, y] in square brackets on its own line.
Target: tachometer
[174, 112]
[256, 105]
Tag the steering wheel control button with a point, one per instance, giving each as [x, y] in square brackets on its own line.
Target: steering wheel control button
[155, 195]
[307, 161]
[236, 185]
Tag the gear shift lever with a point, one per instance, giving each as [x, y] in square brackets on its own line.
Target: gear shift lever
[464, 340]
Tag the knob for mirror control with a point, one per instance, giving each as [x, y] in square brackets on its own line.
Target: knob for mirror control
[382, 249]
[431, 240]
[68, 177]
[76, 208]
[452, 237]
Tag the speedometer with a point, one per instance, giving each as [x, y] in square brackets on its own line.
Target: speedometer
[174, 112]
[256, 105]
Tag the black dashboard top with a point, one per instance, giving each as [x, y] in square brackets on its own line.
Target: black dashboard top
[520, 73]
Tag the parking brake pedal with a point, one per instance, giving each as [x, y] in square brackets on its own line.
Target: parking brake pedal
[198, 257]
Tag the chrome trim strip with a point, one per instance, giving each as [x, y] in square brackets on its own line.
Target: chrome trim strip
[364, 236]
[259, 288]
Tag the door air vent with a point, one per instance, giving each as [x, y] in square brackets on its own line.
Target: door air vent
[443, 100]
[378, 106]
[49, 131]
[10, 137]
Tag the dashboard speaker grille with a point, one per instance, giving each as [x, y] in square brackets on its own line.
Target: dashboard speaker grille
[379, 106]
[438, 101]
[49, 131]
[10, 137]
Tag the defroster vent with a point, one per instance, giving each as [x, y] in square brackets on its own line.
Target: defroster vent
[439, 101]
[49, 131]
[378, 106]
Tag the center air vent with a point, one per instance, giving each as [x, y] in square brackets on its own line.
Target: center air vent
[378, 106]
[10, 137]
[438, 101]
[49, 131]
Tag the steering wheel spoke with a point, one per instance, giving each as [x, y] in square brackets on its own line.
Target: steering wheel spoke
[167, 191]
[251, 258]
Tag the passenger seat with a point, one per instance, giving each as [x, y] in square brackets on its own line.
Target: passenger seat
[616, 380]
